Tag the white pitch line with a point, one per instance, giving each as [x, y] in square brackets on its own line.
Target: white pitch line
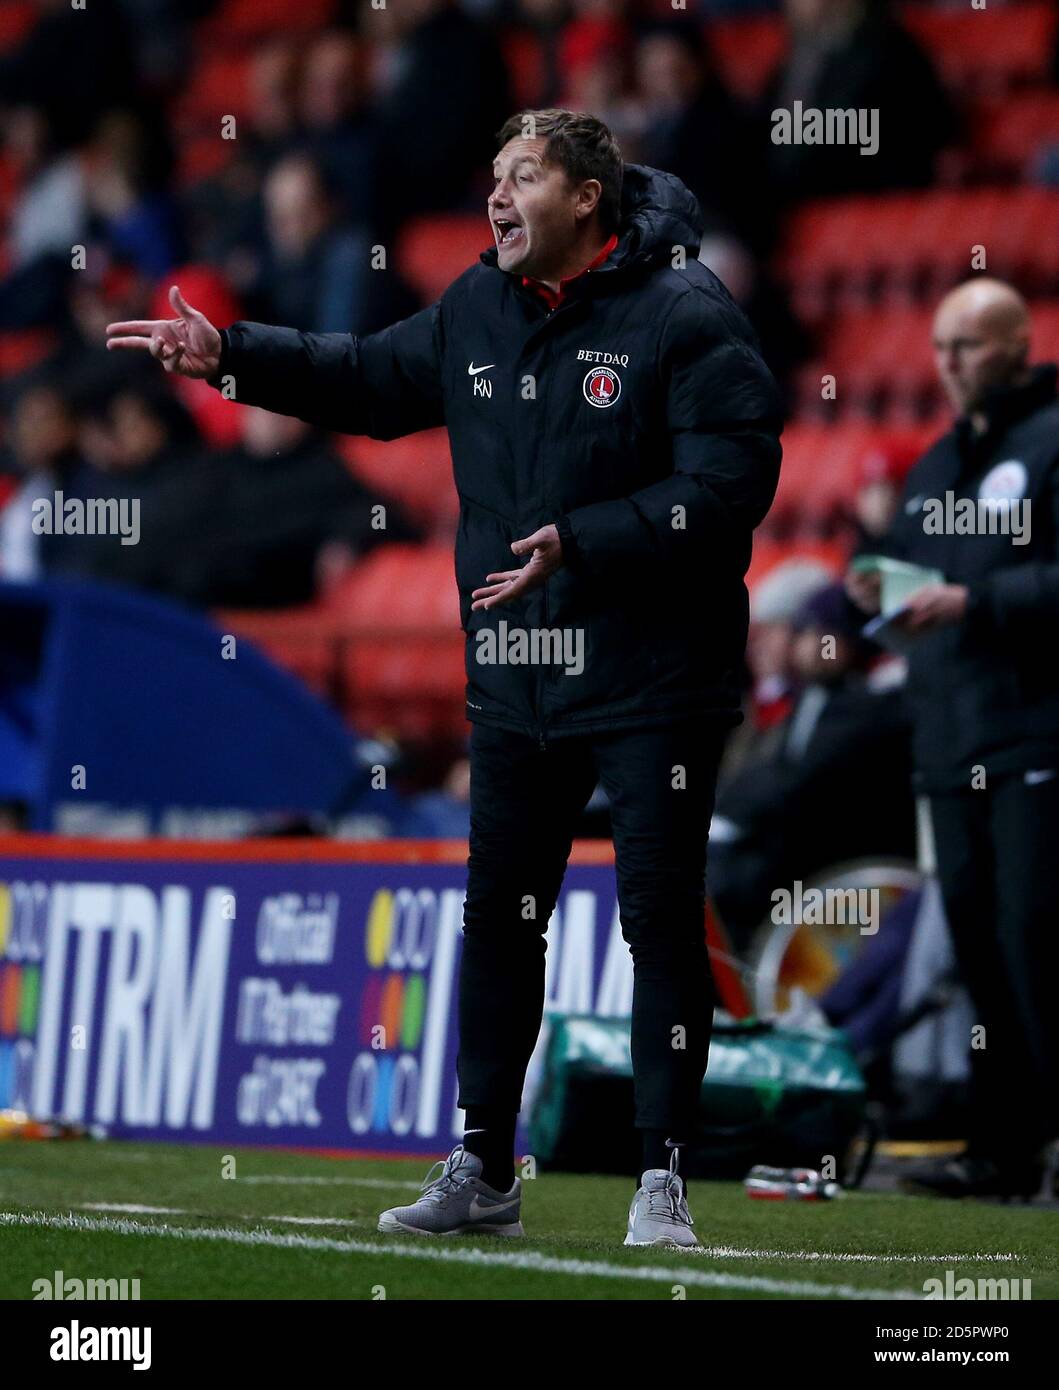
[729, 1252]
[715, 1252]
[132, 1208]
[530, 1261]
[311, 1220]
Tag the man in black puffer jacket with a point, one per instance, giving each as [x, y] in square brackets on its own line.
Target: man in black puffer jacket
[982, 508]
[613, 425]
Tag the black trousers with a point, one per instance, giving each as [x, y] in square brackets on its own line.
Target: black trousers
[997, 850]
[525, 801]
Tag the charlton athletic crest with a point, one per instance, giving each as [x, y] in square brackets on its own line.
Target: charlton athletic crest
[602, 387]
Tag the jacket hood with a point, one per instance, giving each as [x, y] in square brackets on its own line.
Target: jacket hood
[658, 212]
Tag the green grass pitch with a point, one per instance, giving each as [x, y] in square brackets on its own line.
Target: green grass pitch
[291, 1225]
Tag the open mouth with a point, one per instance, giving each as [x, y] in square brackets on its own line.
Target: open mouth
[508, 233]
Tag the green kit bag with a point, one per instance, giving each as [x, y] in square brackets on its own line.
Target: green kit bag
[771, 1095]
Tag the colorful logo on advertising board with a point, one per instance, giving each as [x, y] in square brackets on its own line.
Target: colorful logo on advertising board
[22, 934]
[397, 1074]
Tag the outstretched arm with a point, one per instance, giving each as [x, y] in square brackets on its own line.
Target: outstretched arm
[384, 385]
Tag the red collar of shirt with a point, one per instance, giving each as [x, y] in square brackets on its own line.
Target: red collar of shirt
[553, 298]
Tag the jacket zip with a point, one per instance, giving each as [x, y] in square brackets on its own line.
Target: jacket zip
[547, 320]
[544, 597]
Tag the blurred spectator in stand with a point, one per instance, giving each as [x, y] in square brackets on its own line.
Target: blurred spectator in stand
[596, 57]
[882, 473]
[45, 457]
[317, 274]
[224, 212]
[50, 213]
[837, 786]
[698, 131]
[74, 70]
[775, 601]
[445, 814]
[275, 78]
[776, 604]
[159, 35]
[144, 450]
[130, 165]
[278, 516]
[340, 133]
[546, 20]
[79, 359]
[49, 218]
[445, 94]
[785, 342]
[852, 54]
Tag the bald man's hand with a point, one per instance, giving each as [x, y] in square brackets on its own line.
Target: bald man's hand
[188, 345]
[864, 588]
[933, 606]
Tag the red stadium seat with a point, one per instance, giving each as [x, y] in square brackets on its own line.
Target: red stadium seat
[416, 471]
[878, 354]
[985, 50]
[988, 49]
[17, 17]
[402, 661]
[883, 360]
[24, 348]
[815, 477]
[747, 50]
[413, 690]
[1012, 131]
[524, 58]
[219, 86]
[1045, 341]
[304, 641]
[823, 468]
[433, 251]
[10, 179]
[203, 157]
[385, 644]
[844, 249]
[250, 21]
[399, 589]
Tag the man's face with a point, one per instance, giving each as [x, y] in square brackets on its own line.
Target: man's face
[532, 210]
[41, 429]
[809, 661]
[972, 356]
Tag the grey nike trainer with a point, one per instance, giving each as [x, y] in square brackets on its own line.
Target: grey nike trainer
[659, 1213]
[456, 1201]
